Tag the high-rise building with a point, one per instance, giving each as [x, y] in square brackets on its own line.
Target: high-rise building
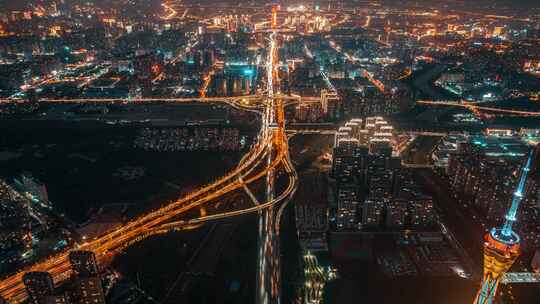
[397, 213]
[355, 126]
[329, 101]
[422, 213]
[61, 298]
[90, 291]
[485, 169]
[348, 200]
[83, 263]
[363, 137]
[39, 285]
[88, 283]
[363, 160]
[341, 134]
[380, 146]
[380, 178]
[373, 213]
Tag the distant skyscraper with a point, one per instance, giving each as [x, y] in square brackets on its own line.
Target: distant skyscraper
[39, 285]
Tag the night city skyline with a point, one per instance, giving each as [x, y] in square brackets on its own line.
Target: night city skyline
[270, 151]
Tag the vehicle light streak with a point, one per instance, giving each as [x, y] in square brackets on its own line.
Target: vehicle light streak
[155, 222]
[473, 107]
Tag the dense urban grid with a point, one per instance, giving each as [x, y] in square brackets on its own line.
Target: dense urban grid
[317, 151]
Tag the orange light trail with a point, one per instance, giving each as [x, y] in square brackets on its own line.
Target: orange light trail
[108, 245]
[474, 108]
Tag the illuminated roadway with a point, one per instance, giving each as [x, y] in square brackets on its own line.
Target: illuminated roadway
[268, 283]
[137, 100]
[475, 107]
[272, 144]
[243, 102]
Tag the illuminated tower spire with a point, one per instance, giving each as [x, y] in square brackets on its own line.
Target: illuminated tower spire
[510, 217]
[502, 245]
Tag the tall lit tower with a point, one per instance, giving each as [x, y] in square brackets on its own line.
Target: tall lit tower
[502, 246]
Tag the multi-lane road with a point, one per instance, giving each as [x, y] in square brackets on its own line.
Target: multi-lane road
[268, 285]
[475, 107]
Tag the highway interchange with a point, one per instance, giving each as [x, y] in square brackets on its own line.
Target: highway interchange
[272, 146]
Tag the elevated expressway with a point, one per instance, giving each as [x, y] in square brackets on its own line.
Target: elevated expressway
[476, 108]
[252, 103]
[238, 100]
[266, 157]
